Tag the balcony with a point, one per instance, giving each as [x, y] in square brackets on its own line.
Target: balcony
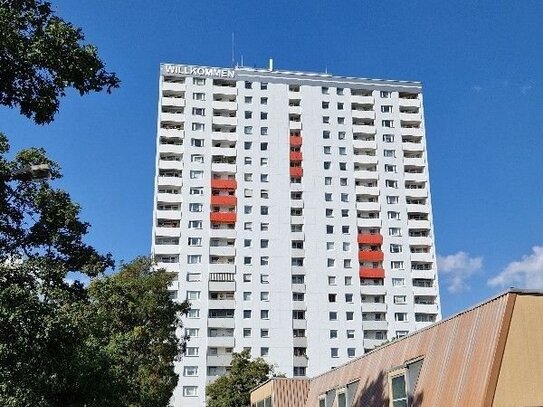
[223, 183]
[224, 105]
[296, 172]
[371, 255]
[226, 233]
[225, 120]
[225, 90]
[365, 144]
[366, 272]
[366, 238]
[171, 148]
[295, 156]
[295, 125]
[362, 99]
[372, 290]
[295, 141]
[222, 217]
[220, 341]
[363, 114]
[225, 200]
[170, 181]
[224, 268]
[173, 86]
[172, 117]
[223, 359]
[222, 251]
[373, 325]
[374, 307]
[364, 128]
[224, 151]
[173, 101]
[373, 343]
[166, 249]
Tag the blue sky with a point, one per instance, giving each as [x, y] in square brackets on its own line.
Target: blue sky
[481, 63]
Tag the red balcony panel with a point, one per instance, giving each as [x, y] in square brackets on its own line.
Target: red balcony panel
[296, 172]
[224, 183]
[366, 272]
[295, 156]
[366, 238]
[371, 255]
[227, 200]
[295, 141]
[223, 217]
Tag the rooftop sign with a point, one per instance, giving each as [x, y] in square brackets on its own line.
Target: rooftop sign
[169, 69]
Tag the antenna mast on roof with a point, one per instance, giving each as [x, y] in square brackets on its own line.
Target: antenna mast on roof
[233, 59]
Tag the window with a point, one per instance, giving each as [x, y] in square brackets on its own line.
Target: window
[247, 296]
[392, 199]
[198, 127]
[264, 101]
[346, 246]
[393, 215]
[390, 168]
[389, 183]
[342, 151]
[191, 351]
[265, 314]
[325, 90]
[327, 150]
[190, 391]
[340, 91]
[195, 241]
[343, 166]
[296, 314]
[327, 165]
[340, 106]
[196, 191]
[264, 178]
[248, 99]
[247, 130]
[264, 333]
[264, 161]
[394, 232]
[246, 278]
[196, 142]
[264, 296]
[248, 85]
[387, 123]
[334, 352]
[396, 265]
[332, 297]
[298, 279]
[341, 120]
[197, 158]
[265, 279]
[264, 227]
[196, 207]
[330, 262]
[350, 333]
[198, 111]
[325, 134]
[325, 105]
[345, 229]
[248, 177]
[248, 226]
[351, 353]
[298, 296]
[194, 259]
[193, 313]
[194, 277]
[192, 332]
[395, 248]
[199, 81]
[399, 299]
[263, 116]
[247, 313]
[389, 153]
[349, 315]
[329, 229]
[248, 114]
[193, 295]
[388, 138]
[385, 94]
[299, 371]
[246, 332]
[398, 282]
[400, 316]
[195, 224]
[348, 280]
[199, 96]
[347, 263]
[349, 298]
[326, 119]
[329, 245]
[331, 280]
[329, 213]
[263, 131]
[344, 197]
[332, 316]
[190, 371]
[386, 109]
[398, 391]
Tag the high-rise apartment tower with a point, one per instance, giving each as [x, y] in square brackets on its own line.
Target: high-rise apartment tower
[294, 209]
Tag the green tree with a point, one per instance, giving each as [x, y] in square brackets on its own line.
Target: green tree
[41, 55]
[234, 388]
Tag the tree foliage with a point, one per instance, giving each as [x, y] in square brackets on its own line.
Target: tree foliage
[234, 388]
[62, 343]
[40, 56]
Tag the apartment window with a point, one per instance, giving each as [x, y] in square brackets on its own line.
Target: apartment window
[264, 333]
[191, 351]
[394, 232]
[190, 371]
[385, 94]
[398, 282]
[195, 207]
[342, 151]
[351, 353]
[247, 296]
[401, 334]
[326, 119]
[325, 105]
[263, 131]
[198, 111]
[327, 165]
[332, 297]
[333, 334]
[198, 127]
[265, 279]
[199, 81]
[193, 313]
[400, 316]
[264, 314]
[390, 168]
[248, 99]
[196, 142]
[190, 391]
[296, 314]
[248, 160]
[194, 259]
[195, 224]
[298, 296]
[340, 106]
[388, 138]
[392, 199]
[263, 146]
[328, 196]
[325, 134]
[350, 333]
[386, 109]
[330, 262]
[400, 299]
[327, 150]
[264, 296]
[195, 241]
[248, 130]
[349, 298]
[264, 227]
[331, 280]
[247, 313]
[348, 280]
[344, 213]
[298, 279]
[264, 161]
[248, 85]
[396, 265]
[325, 90]
[349, 315]
[299, 371]
[247, 192]
[264, 86]
[246, 332]
[329, 229]
[247, 209]
[387, 123]
[197, 158]
[389, 183]
[343, 166]
[263, 116]
[395, 248]
[248, 114]
[344, 197]
[345, 229]
[199, 96]
[246, 278]
[332, 316]
[196, 174]
[393, 215]
[340, 91]
[196, 191]
[329, 245]
[264, 243]
[346, 246]
[341, 120]
[389, 153]
[247, 260]
[334, 352]
[264, 178]
[193, 295]
[264, 101]
[248, 177]
[193, 277]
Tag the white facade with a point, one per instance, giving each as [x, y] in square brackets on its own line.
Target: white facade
[295, 210]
